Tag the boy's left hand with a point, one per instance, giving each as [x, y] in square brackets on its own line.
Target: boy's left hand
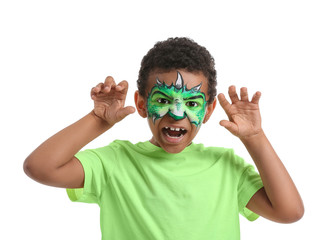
[244, 115]
[279, 200]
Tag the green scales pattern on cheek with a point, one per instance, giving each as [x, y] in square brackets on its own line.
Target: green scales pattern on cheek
[177, 101]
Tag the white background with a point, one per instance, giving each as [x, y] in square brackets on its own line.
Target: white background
[53, 52]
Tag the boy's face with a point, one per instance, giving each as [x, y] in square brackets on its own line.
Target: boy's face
[176, 106]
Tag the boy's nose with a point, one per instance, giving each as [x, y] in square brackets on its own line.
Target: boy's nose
[177, 111]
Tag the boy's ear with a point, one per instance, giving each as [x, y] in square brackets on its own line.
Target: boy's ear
[209, 110]
[140, 105]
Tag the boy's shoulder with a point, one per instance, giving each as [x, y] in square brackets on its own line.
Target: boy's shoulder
[125, 154]
[192, 149]
[221, 153]
[200, 147]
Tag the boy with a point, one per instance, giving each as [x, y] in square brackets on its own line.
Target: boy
[169, 187]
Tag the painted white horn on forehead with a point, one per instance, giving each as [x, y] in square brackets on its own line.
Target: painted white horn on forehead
[158, 82]
[179, 82]
[197, 88]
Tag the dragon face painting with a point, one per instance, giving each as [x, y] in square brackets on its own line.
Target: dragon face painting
[176, 100]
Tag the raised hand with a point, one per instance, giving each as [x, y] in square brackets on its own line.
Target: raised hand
[244, 115]
[109, 100]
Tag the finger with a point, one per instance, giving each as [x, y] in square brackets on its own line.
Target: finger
[244, 94]
[124, 112]
[223, 101]
[95, 90]
[256, 97]
[122, 86]
[232, 127]
[108, 84]
[232, 94]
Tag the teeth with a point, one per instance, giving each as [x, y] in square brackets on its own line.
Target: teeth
[175, 129]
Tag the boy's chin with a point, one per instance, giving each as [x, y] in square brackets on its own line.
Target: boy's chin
[169, 146]
[174, 148]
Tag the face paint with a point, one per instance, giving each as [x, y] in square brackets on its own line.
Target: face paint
[176, 100]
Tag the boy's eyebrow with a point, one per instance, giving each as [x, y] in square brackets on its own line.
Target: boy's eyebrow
[194, 97]
[161, 94]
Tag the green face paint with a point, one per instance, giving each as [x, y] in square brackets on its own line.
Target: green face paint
[177, 101]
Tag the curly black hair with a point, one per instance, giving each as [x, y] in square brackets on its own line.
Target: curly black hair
[178, 53]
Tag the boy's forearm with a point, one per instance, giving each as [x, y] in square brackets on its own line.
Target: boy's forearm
[61, 147]
[279, 187]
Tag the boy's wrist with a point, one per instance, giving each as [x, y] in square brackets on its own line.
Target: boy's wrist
[101, 122]
[257, 137]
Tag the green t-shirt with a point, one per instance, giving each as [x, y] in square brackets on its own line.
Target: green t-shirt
[146, 193]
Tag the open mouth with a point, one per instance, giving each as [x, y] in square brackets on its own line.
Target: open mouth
[174, 132]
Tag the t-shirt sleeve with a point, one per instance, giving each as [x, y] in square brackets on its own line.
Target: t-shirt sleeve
[96, 165]
[249, 183]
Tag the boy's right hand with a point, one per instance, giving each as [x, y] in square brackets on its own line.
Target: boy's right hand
[109, 100]
[54, 162]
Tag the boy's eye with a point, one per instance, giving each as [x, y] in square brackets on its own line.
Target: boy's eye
[163, 101]
[192, 104]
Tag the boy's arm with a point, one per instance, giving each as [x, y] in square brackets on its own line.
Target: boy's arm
[279, 200]
[53, 162]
